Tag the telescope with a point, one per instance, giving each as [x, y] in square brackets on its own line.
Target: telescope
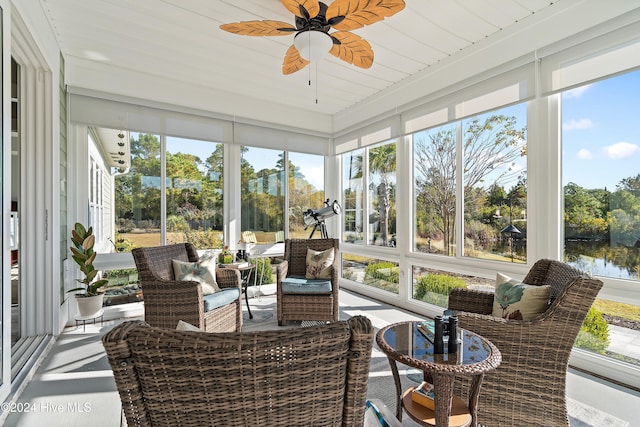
[318, 216]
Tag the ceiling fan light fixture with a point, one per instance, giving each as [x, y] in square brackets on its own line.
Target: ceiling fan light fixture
[313, 45]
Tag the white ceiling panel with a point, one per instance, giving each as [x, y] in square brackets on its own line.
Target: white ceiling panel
[180, 41]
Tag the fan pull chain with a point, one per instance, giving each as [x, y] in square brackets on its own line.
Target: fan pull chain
[316, 82]
[309, 37]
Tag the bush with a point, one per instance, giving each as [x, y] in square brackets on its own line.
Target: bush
[124, 245]
[177, 223]
[263, 270]
[437, 283]
[383, 271]
[594, 332]
[204, 238]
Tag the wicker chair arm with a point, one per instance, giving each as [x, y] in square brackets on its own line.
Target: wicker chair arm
[282, 270]
[524, 339]
[360, 346]
[470, 300]
[228, 278]
[179, 291]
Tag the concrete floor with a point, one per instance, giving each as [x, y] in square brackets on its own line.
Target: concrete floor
[74, 385]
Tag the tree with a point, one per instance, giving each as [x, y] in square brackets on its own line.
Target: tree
[487, 145]
[382, 164]
[435, 181]
[583, 215]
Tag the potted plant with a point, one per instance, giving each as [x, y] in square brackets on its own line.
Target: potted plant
[225, 256]
[90, 299]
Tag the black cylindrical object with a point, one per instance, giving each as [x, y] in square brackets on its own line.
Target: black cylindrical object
[453, 335]
[438, 341]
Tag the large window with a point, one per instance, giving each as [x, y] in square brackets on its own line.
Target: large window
[492, 150]
[601, 176]
[263, 189]
[601, 183]
[382, 194]
[137, 195]
[372, 272]
[495, 185]
[194, 192]
[353, 196]
[306, 191]
[434, 157]
[369, 179]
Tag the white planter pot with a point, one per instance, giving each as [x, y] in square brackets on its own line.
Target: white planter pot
[88, 306]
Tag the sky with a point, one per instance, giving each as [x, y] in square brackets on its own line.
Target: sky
[601, 132]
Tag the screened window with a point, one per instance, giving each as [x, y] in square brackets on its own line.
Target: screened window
[194, 192]
[369, 195]
[382, 194]
[137, 195]
[263, 190]
[353, 196]
[491, 147]
[601, 176]
[306, 191]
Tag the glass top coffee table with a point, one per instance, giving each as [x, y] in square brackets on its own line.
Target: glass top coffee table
[404, 343]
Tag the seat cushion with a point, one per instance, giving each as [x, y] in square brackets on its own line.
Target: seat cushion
[302, 285]
[219, 299]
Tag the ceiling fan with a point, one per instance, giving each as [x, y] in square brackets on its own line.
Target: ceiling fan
[314, 20]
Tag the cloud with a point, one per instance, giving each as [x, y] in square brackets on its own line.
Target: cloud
[584, 154]
[575, 93]
[577, 124]
[621, 150]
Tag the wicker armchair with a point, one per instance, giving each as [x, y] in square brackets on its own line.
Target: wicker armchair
[315, 376]
[166, 300]
[299, 304]
[528, 388]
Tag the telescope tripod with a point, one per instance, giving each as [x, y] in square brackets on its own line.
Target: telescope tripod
[323, 230]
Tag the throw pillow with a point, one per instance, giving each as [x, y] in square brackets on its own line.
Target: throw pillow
[203, 271]
[184, 326]
[519, 301]
[319, 264]
[503, 278]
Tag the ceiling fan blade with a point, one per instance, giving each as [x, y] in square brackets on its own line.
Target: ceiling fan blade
[358, 13]
[293, 61]
[311, 6]
[259, 28]
[352, 49]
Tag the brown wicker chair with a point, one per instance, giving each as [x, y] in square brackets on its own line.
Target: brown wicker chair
[315, 376]
[300, 305]
[166, 300]
[528, 388]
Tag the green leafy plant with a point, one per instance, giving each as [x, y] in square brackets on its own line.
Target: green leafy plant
[383, 271]
[437, 283]
[263, 270]
[83, 254]
[594, 333]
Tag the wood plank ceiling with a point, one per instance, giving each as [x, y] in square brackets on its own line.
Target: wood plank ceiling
[180, 41]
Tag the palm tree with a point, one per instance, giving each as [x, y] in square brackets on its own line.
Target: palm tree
[382, 162]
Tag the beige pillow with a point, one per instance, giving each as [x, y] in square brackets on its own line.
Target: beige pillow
[203, 271]
[502, 278]
[519, 301]
[319, 264]
[184, 326]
